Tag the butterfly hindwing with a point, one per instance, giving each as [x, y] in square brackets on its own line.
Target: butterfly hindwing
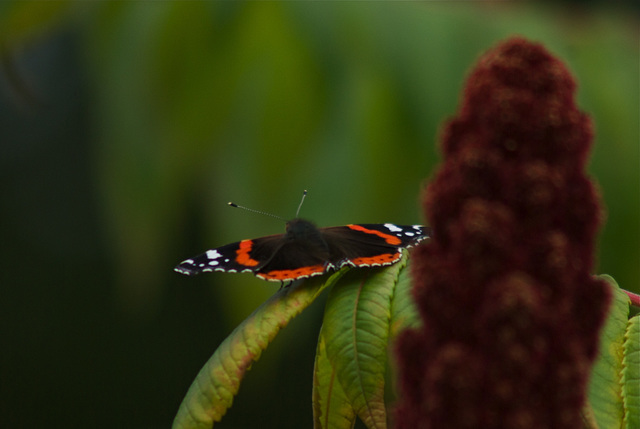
[298, 257]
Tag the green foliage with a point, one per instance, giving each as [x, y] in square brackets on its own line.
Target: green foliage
[212, 392]
[357, 321]
[331, 406]
[351, 357]
[630, 377]
[614, 385]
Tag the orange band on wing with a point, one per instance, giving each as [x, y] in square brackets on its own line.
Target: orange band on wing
[390, 239]
[243, 257]
[292, 274]
[384, 259]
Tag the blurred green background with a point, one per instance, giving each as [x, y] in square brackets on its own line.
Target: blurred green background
[127, 126]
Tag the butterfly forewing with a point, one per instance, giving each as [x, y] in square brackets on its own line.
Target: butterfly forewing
[243, 256]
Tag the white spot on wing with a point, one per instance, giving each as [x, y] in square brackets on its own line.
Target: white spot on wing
[213, 254]
[391, 227]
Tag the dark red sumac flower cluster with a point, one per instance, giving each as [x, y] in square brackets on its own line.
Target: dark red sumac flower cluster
[511, 313]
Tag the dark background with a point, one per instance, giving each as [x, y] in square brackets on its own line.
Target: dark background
[127, 126]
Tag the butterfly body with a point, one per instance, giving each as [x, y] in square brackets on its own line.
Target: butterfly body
[305, 250]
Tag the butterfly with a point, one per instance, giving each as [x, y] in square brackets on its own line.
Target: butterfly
[305, 250]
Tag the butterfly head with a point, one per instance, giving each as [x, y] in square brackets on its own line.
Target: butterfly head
[301, 229]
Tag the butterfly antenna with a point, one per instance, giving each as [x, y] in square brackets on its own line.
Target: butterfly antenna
[256, 211]
[304, 194]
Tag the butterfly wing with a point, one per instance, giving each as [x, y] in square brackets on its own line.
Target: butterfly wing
[271, 258]
[366, 245]
[243, 256]
[298, 257]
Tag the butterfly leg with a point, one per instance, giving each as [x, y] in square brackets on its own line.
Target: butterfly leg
[285, 284]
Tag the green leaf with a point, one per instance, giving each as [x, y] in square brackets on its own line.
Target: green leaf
[212, 392]
[605, 390]
[631, 374]
[356, 330]
[404, 313]
[331, 408]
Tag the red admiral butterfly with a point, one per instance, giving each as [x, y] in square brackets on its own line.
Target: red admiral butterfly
[305, 250]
